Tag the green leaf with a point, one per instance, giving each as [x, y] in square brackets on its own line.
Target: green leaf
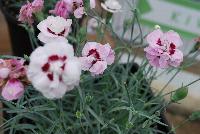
[82, 34]
[99, 119]
[24, 126]
[26, 57]
[179, 94]
[119, 109]
[194, 116]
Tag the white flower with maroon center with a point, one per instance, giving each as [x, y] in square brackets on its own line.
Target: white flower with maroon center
[53, 29]
[54, 70]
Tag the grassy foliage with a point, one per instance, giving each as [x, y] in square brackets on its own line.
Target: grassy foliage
[117, 102]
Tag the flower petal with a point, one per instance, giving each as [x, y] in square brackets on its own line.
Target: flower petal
[92, 4]
[98, 68]
[153, 37]
[78, 13]
[13, 90]
[174, 38]
[4, 72]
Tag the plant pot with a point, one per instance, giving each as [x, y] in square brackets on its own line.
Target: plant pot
[19, 37]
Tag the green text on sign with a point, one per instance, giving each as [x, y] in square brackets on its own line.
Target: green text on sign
[180, 15]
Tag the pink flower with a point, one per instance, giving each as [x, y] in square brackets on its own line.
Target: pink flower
[11, 71]
[18, 70]
[54, 29]
[54, 70]
[163, 49]
[79, 12]
[13, 90]
[27, 11]
[96, 57]
[78, 8]
[4, 69]
[62, 9]
[92, 3]
[37, 5]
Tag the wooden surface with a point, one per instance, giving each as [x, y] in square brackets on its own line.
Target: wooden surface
[190, 128]
[4, 37]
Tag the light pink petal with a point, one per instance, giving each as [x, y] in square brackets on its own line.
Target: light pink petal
[104, 50]
[13, 90]
[92, 4]
[37, 5]
[67, 31]
[4, 72]
[47, 39]
[153, 37]
[40, 81]
[150, 57]
[72, 72]
[173, 37]
[61, 9]
[42, 26]
[25, 14]
[89, 46]
[78, 13]
[44, 38]
[78, 1]
[98, 68]
[111, 57]
[153, 50]
[17, 69]
[154, 62]
[163, 61]
[86, 62]
[176, 58]
[56, 93]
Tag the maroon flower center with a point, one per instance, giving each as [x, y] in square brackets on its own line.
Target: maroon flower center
[51, 59]
[59, 34]
[172, 47]
[95, 54]
[159, 42]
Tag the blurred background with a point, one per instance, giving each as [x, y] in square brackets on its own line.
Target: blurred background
[181, 15]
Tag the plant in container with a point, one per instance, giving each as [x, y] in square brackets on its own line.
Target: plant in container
[86, 89]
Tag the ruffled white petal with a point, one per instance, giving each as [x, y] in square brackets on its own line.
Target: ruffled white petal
[60, 75]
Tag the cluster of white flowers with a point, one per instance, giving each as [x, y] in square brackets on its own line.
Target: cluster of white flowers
[53, 68]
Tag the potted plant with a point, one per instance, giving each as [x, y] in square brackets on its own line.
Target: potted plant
[86, 89]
